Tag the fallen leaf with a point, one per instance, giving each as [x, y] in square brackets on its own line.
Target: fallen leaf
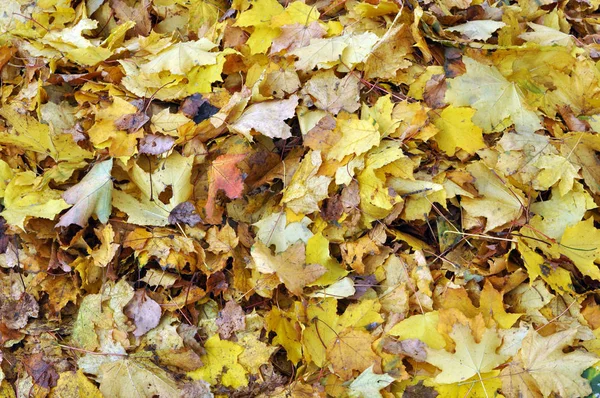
[224, 175]
[92, 196]
[368, 384]
[267, 118]
[16, 313]
[289, 266]
[221, 364]
[144, 311]
[230, 320]
[493, 97]
[185, 212]
[134, 377]
[543, 364]
[469, 359]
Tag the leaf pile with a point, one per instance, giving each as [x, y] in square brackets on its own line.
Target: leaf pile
[331, 198]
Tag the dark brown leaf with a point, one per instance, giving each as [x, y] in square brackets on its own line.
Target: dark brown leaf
[419, 391]
[42, 373]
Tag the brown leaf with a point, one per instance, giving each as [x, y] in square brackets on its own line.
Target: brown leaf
[296, 35]
[420, 391]
[197, 389]
[185, 212]
[6, 54]
[231, 319]
[132, 122]
[413, 348]
[137, 12]
[3, 237]
[197, 108]
[144, 311]
[435, 91]
[16, 313]
[572, 122]
[42, 373]
[184, 358]
[216, 283]
[155, 144]
[332, 208]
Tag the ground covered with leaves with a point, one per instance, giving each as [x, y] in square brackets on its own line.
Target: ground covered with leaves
[371, 198]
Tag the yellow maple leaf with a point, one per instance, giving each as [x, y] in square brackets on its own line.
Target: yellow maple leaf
[458, 131]
[259, 16]
[422, 327]
[317, 252]
[484, 385]
[136, 376]
[357, 137]
[500, 203]
[74, 385]
[307, 188]
[469, 359]
[26, 196]
[541, 363]
[221, 364]
[105, 134]
[351, 350]
[287, 330]
[493, 97]
[289, 266]
[580, 243]
[92, 195]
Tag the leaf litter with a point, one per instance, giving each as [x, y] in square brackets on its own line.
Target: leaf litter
[331, 198]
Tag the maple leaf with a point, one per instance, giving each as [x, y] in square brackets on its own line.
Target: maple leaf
[543, 365]
[180, 58]
[493, 97]
[368, 384]
[172, 173]
[92, 195]
[289, 266]
[221, 363]
[259, 17]
[358, 136]
[546, 36]
[332, 94]
[583, 148]
[423, 327]
[224, 175]
[478, 30]
[499, 203]
[469, 359]
[458, 131]
[348, 49]
[351, 350]
[306, 188]
[74, 383]
[275, 230]
[287, 329]
[579, 243]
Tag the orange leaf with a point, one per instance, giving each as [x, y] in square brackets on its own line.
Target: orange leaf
[224, 175]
